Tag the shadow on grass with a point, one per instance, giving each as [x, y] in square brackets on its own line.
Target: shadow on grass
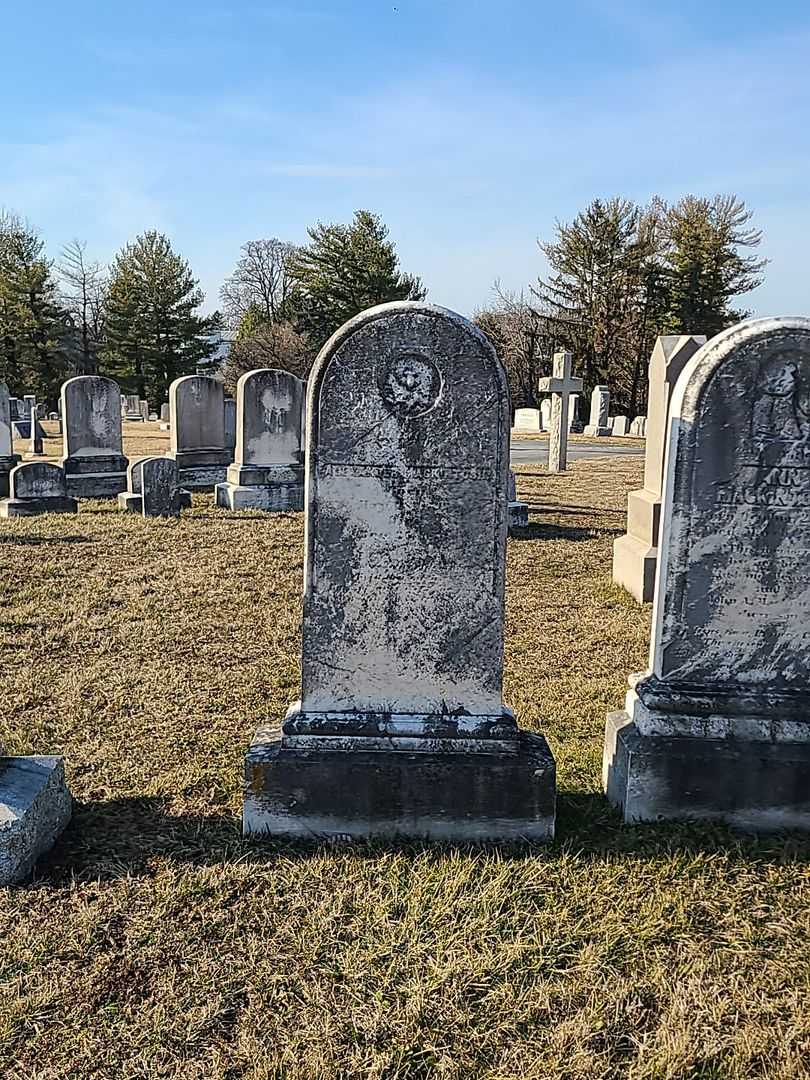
[39, 541]
[135, 837]
[542, 531]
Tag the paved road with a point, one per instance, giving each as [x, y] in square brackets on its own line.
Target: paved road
[529, 451]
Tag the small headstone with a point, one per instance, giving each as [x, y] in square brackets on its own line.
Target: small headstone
[560, 385]
[93, 459]
[230, 423]
[401, 728]
[132, 407]
[575, 425]
[718, 727]
[132, 498]
[600, 405]
[15, 409]
[545, 414]
[143, 408]
[160, 492]
[527, 420]
[635, 554]
[197, 442]
[29, 403]
[153, 417]
[268, 473]
[518, 511]
[621, 425]
[37, 487]
[35, 806]
[164, 412]
[36, 447]
[638, 426]
[8, 459]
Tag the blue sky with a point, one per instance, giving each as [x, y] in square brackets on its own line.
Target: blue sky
[469, 126]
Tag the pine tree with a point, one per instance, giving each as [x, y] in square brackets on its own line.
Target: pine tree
[344, 270]
[154, 333]
[33, 326]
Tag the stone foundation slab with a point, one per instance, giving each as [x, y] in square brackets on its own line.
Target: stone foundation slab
[10, 508]
[270, 497]
[35, 806]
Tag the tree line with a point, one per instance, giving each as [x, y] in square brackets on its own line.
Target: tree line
[619, 275]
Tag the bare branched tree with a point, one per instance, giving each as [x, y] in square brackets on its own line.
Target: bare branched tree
[83, 290]
[261, 281]
[523, 337]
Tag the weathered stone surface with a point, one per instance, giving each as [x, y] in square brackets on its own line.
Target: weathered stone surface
[638, 427]
[94, 463]
[518, 512]
[132, 498]
[600, 406]
[230, 423]
[560, 385]
[37, 487]
[8, 459]
[402, 637]
[160, 492]
[268, 471]
[197, 440]
[164, 412]
[545, 414]
[528, 420]
[36, 441]
[35, 806]
[636, 553]
[621, 425]
[730, 657]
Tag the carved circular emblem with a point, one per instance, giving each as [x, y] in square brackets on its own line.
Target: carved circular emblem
[410, 384]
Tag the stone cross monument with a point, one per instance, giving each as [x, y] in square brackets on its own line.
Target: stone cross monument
[719, 727]
[401, 729]
[560, 385]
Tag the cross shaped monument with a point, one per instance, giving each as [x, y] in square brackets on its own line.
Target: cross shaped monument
[560, 385]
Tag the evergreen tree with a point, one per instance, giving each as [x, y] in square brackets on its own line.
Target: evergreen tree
[33, 326]
[344, 270]
[154, 333]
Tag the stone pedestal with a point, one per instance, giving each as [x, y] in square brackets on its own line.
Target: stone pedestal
[99, 477]
[35, 806]
[269, 487]
[359, 788]
[201, 470]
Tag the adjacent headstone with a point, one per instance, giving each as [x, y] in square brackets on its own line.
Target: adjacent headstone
[8, 459]
[600, 406]
[132, 498]
[35, 806]
[230, 424]
[197, 442]
[16, 409]
[401, 729]
[36, 446]
[575, 425]
[518, 512]
[143, 407]
[37, 487]
[527, 420]
[545, 414]
[560, 385]
[93, 460]
[132, 408]
[638, 427]
[42, 411]
[161, 495]
[635, 554]
[29, 403]
[621, 425]
[719, 727]
[268, 473]
[164, 412]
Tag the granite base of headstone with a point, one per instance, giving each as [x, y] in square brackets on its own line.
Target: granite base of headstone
[37, 487]
[401, 730]
[719, 726]
[35, 807]
[132, 498]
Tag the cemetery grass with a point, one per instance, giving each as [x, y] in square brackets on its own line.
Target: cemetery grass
[154, 943]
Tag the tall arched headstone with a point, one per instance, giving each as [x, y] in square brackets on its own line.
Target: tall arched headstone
[401, 728]
[8, 459]
[719, 727]
[94, 462]
[197, 441]
[268, 470]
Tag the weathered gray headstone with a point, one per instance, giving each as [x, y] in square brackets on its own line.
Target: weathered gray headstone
[518, 511]
[36, 445]
[197, 440]
[35, 806]
[575, 425]
[143, 408]
[93, 460]
[8, 459]
[719, 727]
[635, 554]
[401, 728]
[37, 487]
[16, 409]
[160, 494]
[527, 420]
[545, 414]
[268, 473]
[600, 405]
[132, 408]
[164, 412]
[560, 385]
[230, 423]
[132, 498]
[621, 425]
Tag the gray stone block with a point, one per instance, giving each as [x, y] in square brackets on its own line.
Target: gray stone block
[356, 793]
[35, 806]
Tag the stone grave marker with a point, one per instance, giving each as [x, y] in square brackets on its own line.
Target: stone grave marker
[230, 424]
[143, 408]
[719, 726]
[560, 385]
[401, 728]
[268, 473]
[93, 460]
[518, 511]
[600, 406]
[36, 445]
[635, 554]
[37, 487]
[197, 439]
[35, 807]
[132, 498]
[527, 420]
[638, 427]
[621, 425]
[545, 414]
[160, 493]
[8, 459]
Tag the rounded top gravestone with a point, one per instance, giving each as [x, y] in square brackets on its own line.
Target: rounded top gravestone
[407, 465]
[269, 418]
[91, 415]
[732, 604]
[197, 411]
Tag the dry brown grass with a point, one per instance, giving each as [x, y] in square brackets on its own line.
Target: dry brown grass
[155, 944]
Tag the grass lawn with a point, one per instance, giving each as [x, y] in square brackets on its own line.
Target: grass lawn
[154, 943]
